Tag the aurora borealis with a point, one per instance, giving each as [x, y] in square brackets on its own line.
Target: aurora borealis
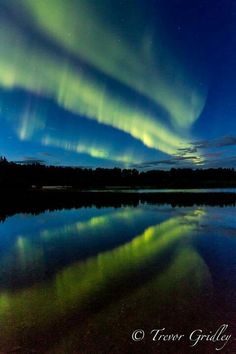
[118, 83]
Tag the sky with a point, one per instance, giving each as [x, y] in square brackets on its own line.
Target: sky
[127, 83]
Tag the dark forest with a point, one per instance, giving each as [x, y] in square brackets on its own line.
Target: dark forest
[13, 175]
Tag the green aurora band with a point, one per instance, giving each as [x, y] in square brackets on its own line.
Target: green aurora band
[144, 61]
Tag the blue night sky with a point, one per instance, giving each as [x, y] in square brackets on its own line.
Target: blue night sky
[129, 83]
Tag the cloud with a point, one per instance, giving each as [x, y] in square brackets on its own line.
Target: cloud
[212, 155]
[225, 162]
[206, 149]
[179, 161]
[187, 150]
[215, 143]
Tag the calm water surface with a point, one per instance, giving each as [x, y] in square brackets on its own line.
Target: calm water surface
[81, 280]
[146, 190]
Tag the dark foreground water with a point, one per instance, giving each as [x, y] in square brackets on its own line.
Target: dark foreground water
[82, 280]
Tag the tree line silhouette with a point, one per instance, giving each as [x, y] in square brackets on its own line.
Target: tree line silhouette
[25, 176]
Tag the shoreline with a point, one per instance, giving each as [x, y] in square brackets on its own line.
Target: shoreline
[38, 201]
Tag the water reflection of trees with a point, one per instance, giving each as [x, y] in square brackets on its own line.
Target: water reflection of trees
[38, 201]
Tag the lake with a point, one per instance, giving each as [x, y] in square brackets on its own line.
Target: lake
[82, 280]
